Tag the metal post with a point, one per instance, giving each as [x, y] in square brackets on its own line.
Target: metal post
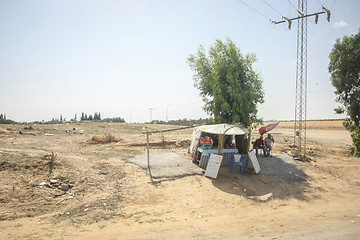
[301, 73]
[301, 82]
[148, 155]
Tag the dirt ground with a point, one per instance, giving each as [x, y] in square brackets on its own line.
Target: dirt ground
[94, 193]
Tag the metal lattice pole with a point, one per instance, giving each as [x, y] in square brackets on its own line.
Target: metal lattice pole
[301, 72]
[301, 82]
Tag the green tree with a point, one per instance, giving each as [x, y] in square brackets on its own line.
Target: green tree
[229, 86]
[344, 68]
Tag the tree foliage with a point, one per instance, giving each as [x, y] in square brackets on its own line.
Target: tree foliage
[85, 117]
[114, 119]
[4, 120]
[181, 122]
[344, 68]
[229, 86]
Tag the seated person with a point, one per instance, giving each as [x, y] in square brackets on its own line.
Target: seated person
[269, 140]
[259, 144]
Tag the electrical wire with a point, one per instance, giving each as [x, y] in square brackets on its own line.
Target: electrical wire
[292, 5]
[256, 11]
[273, 8]
[333, 5]
[320, 3]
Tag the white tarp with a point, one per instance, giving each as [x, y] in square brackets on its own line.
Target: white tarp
[218, 129]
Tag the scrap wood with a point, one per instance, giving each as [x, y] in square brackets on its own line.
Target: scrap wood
[59, 194]
[52, 158]
[49, 156]
[169, 130]
[67, 198]
[162, 143]
[30, 133]
[45, 184]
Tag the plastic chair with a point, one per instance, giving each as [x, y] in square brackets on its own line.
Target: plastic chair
[238, 160]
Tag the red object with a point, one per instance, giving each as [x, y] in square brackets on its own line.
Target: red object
[267, 128]
[259, 143]
[206, 140]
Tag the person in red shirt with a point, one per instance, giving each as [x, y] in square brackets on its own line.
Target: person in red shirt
[259, 144]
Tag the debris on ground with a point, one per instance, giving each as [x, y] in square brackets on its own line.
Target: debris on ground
[108, 138]
[161, 143]
[183, 143]
[52, 158]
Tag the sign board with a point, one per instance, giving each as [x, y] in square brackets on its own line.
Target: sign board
[213, 165]
[254, 161]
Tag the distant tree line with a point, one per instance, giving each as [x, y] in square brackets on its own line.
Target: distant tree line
[182, 122]
[2, 116]
[115, 119]
[3, 119]
[85, 117]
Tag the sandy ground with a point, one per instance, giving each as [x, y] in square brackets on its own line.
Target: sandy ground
[110, 198]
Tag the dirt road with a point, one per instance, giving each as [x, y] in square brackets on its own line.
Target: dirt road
[111, 198]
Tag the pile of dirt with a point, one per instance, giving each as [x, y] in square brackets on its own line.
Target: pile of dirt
[20, 162]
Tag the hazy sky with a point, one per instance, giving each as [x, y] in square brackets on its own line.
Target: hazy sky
[121, 58]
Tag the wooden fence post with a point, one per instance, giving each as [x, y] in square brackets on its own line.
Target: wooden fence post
[148, 155]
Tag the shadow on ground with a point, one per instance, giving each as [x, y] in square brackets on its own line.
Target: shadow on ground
[280, 177]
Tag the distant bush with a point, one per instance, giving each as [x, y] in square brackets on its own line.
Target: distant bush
[182, 122]
[6, 121]
[3, 119]
[116, 119]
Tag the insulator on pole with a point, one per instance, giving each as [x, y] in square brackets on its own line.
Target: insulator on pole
[288, 20]
[316, 18]
[327, 13]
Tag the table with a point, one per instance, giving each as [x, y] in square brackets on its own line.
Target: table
[205, 155]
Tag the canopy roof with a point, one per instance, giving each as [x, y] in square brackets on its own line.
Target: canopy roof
[218, 129]
[223, 128]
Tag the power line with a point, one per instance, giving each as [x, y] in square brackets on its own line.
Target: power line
[273, 8]
[323, 4]
[333, 5]
[256, 11]
[320, 3]
[292, 5]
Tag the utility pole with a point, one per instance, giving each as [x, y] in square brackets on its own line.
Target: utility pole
[301, 73]
[167, 111]
[151, 114]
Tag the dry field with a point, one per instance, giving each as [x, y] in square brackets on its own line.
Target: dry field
[93, 193]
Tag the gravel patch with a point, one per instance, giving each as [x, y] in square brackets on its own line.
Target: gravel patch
[167, 164]
[282, 166]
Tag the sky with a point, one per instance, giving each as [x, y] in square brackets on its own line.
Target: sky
[129, 58]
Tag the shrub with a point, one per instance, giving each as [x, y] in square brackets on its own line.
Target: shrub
[108, 138]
